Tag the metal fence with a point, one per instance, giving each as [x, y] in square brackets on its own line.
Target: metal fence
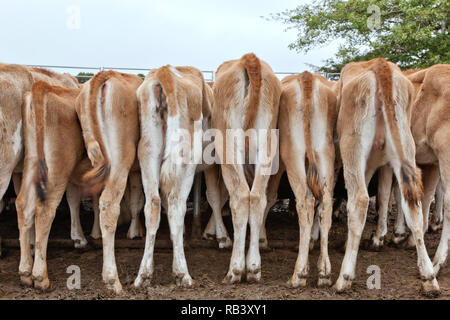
[208, 75]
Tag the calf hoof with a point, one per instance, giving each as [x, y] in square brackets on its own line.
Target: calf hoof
[232, 277]
[296, 281]
[374, 244]
[41, 284]
[324, 281]
[343, 283]
[143, 280]
[208, 236]
[184, 280]
[435, 227]
[133, 233]
[95, 235]
[430, 288]
[80, 243]
[254, 276]
[399, 238]
[114, 286]
[225, 243]
[26, 279]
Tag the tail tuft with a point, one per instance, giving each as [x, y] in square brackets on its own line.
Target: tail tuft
[94, 180]
[313, 180]
[95, 153]
[41, 180]
[412, 187]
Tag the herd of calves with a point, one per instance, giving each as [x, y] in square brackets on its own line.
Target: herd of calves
[112, 137]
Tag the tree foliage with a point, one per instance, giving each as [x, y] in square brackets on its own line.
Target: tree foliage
[411, 33]
[82, 77]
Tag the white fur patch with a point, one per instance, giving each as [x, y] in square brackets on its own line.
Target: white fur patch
[175, 71]
[17, 139]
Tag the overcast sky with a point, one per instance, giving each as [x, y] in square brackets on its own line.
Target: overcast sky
[148, 34]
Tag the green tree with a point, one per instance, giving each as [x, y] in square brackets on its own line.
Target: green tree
[411, 33]
[82, 77]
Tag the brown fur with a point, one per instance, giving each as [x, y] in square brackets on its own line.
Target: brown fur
[15, 82]
[165, 77]
[252, 68]
[245, 90]
[411, 186]
[39, 92]
[313, 179]
[383, 75]
[94, 180]
[47, 72]
[39, 95]
[308, 101]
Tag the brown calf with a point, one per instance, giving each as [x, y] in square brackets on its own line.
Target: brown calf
[173, 100]
[108, 111]
[430, 126]
[52, 164]
[246, 96]
[374, 130]
[306, 123]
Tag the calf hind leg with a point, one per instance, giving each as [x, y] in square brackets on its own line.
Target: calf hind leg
[414, 220]
[73, 196]
[216, 195]
[25, 217]
[384, 192]
[358, 201]
[436, 222]
[136, 199]
[323, 264]
[109, 205]
[240, 206]
[440, 256]
[45, 213]
[305, 211]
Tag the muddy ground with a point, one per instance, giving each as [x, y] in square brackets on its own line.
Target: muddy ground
[399, 274]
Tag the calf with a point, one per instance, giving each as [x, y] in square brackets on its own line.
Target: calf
[173, 100]
[52, 164]
[306, 123]
[374, 130]
[426, 158]
[246, 96]
[108, 111]
[430, 129]
[15, 81]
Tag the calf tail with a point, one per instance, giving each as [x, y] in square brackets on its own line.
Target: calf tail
[39, 92]
[252, 67]
[94, 179]
[312, 176]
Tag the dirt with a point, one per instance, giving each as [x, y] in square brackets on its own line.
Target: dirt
[399, 273]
